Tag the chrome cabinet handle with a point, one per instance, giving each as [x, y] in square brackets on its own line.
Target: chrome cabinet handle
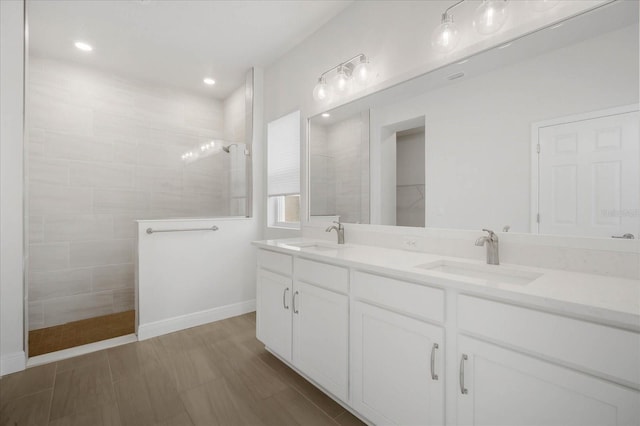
[295, 311]
[434, 376]
[284, 298]
[463, 390]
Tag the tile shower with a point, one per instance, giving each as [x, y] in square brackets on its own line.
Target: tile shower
[104, 150]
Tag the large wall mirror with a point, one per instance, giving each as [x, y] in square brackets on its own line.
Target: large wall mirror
[536, 136]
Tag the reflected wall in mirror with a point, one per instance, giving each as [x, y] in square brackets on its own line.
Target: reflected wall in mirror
[339, 160]
[540, 135]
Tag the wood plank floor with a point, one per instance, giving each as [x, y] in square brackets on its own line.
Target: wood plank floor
[215, 374]
[78, 333]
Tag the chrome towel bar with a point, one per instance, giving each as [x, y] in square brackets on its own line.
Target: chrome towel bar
[152, 231]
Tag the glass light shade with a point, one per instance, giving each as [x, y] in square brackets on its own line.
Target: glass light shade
[445, 37]
[341, 81]
[362, 71]
[490, 16]
[322, 91]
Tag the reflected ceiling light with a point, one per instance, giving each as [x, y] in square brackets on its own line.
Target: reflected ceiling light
[445, 37]
[209, 81]
[504, 46]
[490, 16]
[357, 68]
[85, 47]
[326, 115]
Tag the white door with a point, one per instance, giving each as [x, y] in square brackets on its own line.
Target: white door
[502, 387]
[273, 321]
[589, 177]
[320, 336]
[397, 368]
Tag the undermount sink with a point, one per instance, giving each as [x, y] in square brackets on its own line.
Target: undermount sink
[489, 273]
[317, 246]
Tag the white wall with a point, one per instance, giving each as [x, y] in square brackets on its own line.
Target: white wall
[191, 278]
[396, 35]
[12, 356]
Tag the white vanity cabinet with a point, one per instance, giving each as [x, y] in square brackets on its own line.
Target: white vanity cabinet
[305, 320]
[397, 373]
[497, 386]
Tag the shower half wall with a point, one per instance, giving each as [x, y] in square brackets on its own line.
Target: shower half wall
[103, 151]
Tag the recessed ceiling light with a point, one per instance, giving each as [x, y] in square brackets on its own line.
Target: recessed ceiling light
[326, 114]
[83, 46]
[209, 81]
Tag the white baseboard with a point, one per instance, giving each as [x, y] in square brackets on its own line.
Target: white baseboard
[169, 325]
[12, 363]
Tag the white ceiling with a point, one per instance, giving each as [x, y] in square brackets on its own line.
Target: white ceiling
[176, 42]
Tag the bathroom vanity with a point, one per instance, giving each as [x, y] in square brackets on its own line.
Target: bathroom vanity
[408, 338]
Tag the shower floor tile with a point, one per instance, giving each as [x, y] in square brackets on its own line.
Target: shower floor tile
[77, 333]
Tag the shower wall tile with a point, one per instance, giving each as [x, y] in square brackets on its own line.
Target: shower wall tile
[113, 277]
[123, 300]
[101, 175]
[77, 227]
[35, 315]
[73, 308]
[42, 170]
[105, 252]
[36, 229]
[68, 146]
[48, 257]
[51, 284]
[120, 201]
[58, 199]
[104, 151]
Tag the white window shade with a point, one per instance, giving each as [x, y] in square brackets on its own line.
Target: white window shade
[283, 155]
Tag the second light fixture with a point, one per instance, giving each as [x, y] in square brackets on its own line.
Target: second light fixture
[356, 68]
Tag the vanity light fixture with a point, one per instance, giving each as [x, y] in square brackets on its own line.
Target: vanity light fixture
[85, 47]
[490, 16]
[209, 81]
[445, 37]
[357, 68]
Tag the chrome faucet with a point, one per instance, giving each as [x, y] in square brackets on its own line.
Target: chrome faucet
[339, 229]
[493, 257]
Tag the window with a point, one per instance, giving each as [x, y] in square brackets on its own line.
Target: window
[283, 171]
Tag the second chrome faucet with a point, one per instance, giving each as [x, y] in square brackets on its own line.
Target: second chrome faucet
[491, 241]
[339, 229]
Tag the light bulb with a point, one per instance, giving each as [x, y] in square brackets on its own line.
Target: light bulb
[490, 16]
[362, 70]
[445, 37]
[340, 81]
[322, 91]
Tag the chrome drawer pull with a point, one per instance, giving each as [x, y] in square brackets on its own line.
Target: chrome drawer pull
[295, 310]
[434, 376]
[284, 298]
[463, 390]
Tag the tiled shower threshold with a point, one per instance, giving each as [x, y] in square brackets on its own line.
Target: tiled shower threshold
[79, 334]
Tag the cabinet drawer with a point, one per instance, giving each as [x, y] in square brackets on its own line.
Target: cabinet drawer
[332, 277]
[411, 298]
[276, 262]
[595, 347]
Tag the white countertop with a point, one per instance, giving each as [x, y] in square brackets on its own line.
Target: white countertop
[612, 300]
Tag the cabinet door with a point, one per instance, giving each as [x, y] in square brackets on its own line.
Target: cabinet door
[497, 386]
[321, 332]
[397, 368]
[273, 312]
